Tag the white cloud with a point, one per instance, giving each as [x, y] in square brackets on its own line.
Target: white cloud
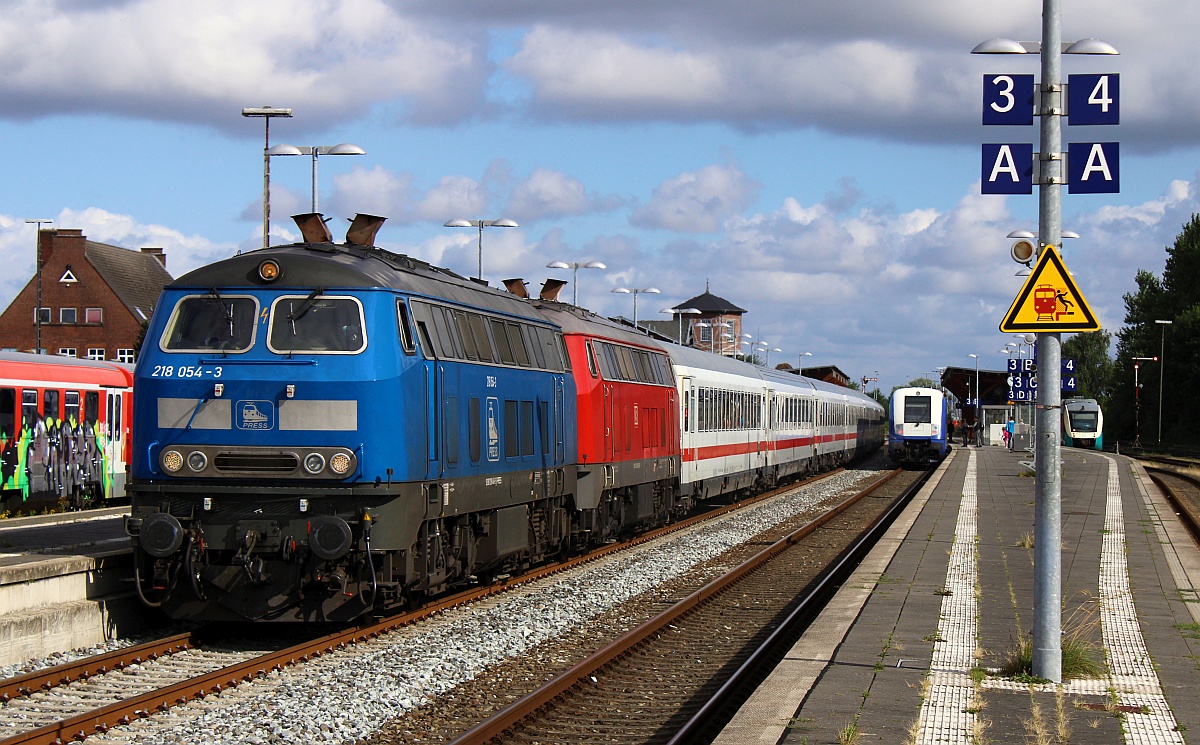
[697, 202]
[161, 60]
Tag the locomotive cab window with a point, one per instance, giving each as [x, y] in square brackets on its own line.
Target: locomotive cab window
[211, 323]
[319, 324]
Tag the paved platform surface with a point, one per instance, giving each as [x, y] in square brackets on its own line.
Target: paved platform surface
[912, 648]
[30, 544]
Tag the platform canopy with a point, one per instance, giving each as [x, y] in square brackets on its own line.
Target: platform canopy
[960, 381]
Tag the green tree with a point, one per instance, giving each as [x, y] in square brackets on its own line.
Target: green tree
[1176, 298]
[1093, 366]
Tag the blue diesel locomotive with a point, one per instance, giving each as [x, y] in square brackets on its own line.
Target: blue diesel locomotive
[918, 429]
[286, 427]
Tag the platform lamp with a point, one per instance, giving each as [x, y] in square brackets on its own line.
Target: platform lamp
[267, 113]
[502, 222]
[1162, 363]
[800, 362]
[680, 313]
[315, 151]
[37, 254]
[575, 266]
[635, 291]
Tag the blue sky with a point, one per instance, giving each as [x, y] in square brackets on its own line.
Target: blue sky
[815, 163]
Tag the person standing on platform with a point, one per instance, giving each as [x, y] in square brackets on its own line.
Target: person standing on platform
[1008, 433]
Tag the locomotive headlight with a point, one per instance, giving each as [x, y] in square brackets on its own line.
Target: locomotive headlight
[314, 463]
[268, 271]
[172, 461]
[340, 464]
[197, 461]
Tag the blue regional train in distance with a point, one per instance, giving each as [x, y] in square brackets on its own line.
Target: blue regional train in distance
[917, 431]
[1082, 423]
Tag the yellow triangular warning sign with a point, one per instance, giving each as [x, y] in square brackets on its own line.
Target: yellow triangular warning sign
[1049, 301]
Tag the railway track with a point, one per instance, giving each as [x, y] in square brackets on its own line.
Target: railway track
[674, 674]
[74, 701]
[1183, 492]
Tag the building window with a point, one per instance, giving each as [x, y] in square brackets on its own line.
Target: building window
[67, 315]
[93, 315]
[45, 316]
[95, 353]
[125, 355]
[68, 352]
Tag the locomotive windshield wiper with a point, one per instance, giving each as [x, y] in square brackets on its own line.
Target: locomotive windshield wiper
[228, 310]
[308, 303]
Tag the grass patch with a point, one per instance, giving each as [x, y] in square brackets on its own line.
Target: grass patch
[1190, 630]
[1080, 656]
[1025, 541]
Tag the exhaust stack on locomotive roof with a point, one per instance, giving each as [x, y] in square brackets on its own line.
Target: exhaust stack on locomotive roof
[516, 286]
[363, 229]
[313, 228]
[551, 288]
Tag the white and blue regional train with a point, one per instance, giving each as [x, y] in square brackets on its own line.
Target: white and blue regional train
[1082, 423]
[917, 430]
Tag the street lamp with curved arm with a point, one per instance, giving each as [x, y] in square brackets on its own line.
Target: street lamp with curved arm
[635, 291]
[681, 312]
[575, 266]
[315, 151]
[502, 222]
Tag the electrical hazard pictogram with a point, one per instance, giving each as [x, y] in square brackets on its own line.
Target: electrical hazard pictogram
[1049, 301]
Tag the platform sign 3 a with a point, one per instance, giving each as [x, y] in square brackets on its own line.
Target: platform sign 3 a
[1049, 301]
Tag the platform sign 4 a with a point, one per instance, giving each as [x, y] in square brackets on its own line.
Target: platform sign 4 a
[1049, 301]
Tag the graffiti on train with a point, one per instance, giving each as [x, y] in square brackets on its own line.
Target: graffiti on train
[57, 459]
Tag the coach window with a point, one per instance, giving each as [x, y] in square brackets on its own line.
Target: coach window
[591, 359]
[483, 345]
[316, 323]
[8, 413]
[563, 355]
[406, 338]
[500, 336]
[463, 327]
[212, 322]
[539, 354]
[71, 404]
[29, 407]
[517, 341]
[50, 401]
[447, 340]
[91, 407]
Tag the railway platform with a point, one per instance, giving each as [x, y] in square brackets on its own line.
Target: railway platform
[911, 649]
[64, 583]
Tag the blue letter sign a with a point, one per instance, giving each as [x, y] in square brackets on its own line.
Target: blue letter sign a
[1007, 169]
[1008, 99]
[1094, 167]
[1094, 99]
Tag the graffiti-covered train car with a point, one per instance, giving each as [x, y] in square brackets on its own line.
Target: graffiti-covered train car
[64, 431]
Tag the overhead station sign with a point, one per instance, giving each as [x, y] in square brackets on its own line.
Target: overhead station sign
[1049, 301]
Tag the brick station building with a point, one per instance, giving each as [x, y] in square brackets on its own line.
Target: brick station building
[95, 298]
